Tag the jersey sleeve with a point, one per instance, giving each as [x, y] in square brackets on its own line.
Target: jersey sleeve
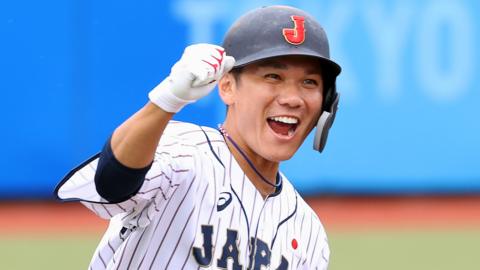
[322, 257]
[174, 164]
[320, 253]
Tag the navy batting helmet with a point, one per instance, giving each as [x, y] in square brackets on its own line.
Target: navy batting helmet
[279, 31]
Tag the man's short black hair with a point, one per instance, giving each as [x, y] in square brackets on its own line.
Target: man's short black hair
[236, 72]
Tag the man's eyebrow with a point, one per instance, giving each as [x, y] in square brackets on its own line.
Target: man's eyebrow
[314, 71]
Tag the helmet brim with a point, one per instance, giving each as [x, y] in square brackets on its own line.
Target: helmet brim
[327, 65]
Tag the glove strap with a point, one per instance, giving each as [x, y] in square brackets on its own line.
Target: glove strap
[165, 99]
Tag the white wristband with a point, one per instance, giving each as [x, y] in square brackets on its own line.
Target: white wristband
[165, 99]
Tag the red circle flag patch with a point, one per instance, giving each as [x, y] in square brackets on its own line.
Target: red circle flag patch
[294, 243]
[295, 35]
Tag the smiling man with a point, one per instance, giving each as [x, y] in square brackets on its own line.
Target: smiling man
[183, 196]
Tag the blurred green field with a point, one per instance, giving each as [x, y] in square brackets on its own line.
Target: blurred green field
[52, 252]
[406, 250]
[375, 250]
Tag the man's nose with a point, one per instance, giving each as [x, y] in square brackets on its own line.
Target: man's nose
[290, 96]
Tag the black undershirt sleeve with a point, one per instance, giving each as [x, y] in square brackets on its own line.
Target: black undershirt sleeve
[114, 181]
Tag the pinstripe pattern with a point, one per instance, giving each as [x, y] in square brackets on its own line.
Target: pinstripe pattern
[163, 221]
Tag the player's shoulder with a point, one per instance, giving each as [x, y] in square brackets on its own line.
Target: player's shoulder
[177, 128]
[307, 207]
[189, 133]
[302, 206]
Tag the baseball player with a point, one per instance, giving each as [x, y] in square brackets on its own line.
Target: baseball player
[183, 196]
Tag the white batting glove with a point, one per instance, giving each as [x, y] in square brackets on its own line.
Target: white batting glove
[192, 77]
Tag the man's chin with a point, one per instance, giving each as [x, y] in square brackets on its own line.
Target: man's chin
[280, 156]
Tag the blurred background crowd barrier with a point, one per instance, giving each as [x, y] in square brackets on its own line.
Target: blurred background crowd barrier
[71, 71]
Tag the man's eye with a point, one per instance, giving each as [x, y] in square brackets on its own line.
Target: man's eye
[272, 76]
[310, 82]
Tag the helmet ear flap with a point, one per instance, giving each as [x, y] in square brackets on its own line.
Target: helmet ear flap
[325, 122]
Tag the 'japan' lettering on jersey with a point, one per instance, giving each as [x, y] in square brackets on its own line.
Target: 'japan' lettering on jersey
[197, 210]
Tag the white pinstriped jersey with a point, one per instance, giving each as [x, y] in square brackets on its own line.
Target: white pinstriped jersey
[198, 210]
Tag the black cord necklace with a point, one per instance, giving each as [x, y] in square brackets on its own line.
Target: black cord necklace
[250, 163]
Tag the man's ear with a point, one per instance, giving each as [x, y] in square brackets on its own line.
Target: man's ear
[226, 88]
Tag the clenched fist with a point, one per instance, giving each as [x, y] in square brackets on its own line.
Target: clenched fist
[192, 77]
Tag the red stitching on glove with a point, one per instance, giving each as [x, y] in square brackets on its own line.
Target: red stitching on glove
[215, 66]
[219, 60]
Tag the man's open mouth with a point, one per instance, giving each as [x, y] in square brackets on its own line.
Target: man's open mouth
[283, 125]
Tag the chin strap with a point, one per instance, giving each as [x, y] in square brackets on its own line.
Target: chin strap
[324, 124]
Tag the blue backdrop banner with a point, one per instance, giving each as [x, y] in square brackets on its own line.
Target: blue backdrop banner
[71, 71]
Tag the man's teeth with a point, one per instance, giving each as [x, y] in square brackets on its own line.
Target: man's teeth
[284, 119]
